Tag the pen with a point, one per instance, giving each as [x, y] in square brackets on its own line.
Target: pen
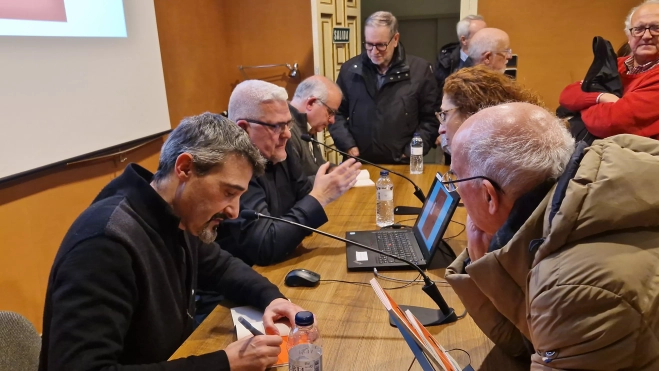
[249, 326]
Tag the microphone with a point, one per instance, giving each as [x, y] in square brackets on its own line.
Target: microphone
[417, 191]
[428, 317]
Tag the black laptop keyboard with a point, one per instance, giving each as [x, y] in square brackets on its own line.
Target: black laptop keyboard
[395, 243]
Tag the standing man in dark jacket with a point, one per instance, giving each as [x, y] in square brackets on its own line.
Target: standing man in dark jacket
[453, 56]
[388, 97]
[120, 293]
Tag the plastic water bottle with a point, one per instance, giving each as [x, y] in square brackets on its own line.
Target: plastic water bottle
[305, 352]
[384, 209]
[416, 154]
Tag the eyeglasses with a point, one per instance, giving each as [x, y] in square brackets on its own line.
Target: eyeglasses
[330, 111]
[450, 180]
[380, 47]
[508, 53]
[640, 31]
[441, 115]
[276, 128]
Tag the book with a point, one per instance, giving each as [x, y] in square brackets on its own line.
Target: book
[255, 317]
[430, 354]
[364, 179]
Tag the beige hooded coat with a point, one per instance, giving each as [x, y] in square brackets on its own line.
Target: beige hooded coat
[588, 299]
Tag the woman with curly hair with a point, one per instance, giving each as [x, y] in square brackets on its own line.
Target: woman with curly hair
[471, 89]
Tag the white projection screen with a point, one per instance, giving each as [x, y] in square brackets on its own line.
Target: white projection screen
[76, 77]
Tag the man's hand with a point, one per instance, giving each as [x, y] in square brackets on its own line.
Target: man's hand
[329, 186]
[277, 309]
[608, 98]
[477, 241]
[253, 353]
[354, 151]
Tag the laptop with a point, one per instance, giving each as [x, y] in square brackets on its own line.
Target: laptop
[420, 244]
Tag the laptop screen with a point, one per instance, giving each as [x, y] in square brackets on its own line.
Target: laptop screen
[435, 215]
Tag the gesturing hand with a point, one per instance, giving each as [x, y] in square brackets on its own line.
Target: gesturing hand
[329, 186]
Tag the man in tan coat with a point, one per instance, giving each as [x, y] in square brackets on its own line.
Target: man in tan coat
[563, 255]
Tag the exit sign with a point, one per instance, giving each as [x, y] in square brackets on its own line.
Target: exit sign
[340, 35]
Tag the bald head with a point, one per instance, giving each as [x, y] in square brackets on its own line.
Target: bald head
[490, 47]
[519, 145]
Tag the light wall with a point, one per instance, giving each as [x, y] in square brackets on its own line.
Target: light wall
[202, 42]
[554, 39]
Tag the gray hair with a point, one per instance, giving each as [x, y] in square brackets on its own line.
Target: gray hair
[246, 99]
[463, 26]
[210, 139]
[315, 86]
[518, 156]
[628, 20]
[383, 19]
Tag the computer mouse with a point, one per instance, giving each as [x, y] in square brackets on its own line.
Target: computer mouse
[302, 277]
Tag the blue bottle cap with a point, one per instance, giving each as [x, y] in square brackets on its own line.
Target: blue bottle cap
[384, 173]
[416, 134]
[304, 318]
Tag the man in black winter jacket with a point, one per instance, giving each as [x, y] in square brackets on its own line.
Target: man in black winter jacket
[121, 290]
[453, 56]
[388, 97]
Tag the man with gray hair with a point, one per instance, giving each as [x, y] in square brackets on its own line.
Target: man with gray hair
[389, 96]
[563, 244]
[313, 108]
[490, 47]
[637, 111]
[260, 108]
[453, 56]
[121, 289]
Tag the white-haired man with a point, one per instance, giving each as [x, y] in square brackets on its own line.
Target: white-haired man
[563, 244]
[261, 109]
[453, 56]
[637, 112]
[490, 47]
[313, 107]
[389, 96]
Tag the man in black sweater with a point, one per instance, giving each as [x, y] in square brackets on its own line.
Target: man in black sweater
[121, 290]
[260, 108]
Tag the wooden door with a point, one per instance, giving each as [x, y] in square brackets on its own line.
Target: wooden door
[328, 57]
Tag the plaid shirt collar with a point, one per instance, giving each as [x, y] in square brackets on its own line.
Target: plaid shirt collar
[631, 70]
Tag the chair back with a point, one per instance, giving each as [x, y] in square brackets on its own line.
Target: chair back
[20, 344]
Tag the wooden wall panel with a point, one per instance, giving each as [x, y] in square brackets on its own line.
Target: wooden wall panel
[268, 32]
[201, 42]
[554, 38]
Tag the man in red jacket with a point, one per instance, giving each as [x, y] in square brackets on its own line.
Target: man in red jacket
[637, 112]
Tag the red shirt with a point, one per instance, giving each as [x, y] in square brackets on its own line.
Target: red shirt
[637, 112]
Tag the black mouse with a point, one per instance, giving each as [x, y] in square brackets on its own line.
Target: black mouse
[302, 277]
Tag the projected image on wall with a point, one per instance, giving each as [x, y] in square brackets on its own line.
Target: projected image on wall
[75, 18]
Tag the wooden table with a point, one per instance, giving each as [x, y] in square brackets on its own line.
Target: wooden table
[353, 323]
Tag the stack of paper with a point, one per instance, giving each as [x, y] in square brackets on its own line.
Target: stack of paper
[364, 179]
[430, 354]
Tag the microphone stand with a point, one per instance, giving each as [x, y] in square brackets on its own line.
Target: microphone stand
[427, 316]
[417, 191]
